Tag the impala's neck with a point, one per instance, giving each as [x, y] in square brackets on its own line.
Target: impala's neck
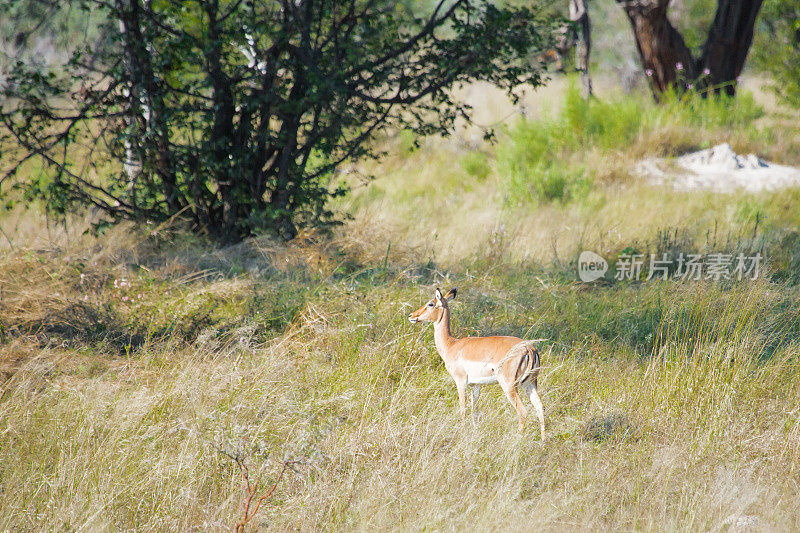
[441, 333]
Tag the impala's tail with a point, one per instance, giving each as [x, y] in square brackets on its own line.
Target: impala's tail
[529, 362]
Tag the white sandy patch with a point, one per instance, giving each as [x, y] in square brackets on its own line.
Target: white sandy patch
[719, 169]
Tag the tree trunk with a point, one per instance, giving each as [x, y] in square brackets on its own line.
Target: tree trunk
[729, 40]
[222, 128]
[667, 60]
[579, 13]
[284, 226]
[146, 98]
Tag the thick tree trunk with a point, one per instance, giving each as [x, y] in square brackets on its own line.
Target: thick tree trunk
[667, 60]
[662, 49]
[729, 40]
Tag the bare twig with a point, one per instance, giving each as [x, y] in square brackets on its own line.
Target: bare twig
[252, 492]
[252, 498]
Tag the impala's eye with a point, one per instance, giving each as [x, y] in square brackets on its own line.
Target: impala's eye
[430, 304]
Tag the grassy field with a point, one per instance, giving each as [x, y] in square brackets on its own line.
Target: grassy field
[138, 367]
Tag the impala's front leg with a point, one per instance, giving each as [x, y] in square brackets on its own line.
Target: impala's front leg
[461, 385]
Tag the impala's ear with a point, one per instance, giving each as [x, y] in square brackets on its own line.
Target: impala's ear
[451, 294]
[438, 294]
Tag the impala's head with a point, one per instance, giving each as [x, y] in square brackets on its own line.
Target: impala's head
[434, 309]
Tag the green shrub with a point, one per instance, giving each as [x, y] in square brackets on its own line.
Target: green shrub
[607, 124]
[476, 164]
[546, 182]
[712, 111]
[544, 160]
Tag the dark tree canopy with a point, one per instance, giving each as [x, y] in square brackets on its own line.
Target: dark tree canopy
[234, 114]
[670, 63]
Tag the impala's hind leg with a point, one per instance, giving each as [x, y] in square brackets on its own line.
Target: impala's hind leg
[533, 394]
[511, 393]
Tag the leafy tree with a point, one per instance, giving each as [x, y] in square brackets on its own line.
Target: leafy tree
[235, 114]
[777, 48]
[46, 19]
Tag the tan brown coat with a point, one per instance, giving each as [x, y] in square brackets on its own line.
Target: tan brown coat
[474, 361]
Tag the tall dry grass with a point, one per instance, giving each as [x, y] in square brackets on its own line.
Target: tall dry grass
[699, 435]
[131, 361]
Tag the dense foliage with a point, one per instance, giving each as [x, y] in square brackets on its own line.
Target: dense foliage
[235, 114]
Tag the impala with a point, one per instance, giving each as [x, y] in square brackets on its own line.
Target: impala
[511, 362]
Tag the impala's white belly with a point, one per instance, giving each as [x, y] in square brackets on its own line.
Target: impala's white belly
[482, 380]
[479, 373]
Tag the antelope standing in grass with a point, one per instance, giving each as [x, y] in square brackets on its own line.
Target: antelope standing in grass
[511, 362]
